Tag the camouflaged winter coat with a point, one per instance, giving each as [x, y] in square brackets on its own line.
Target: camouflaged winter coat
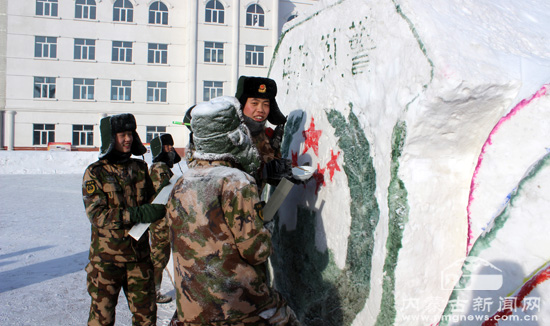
[108, 189]
[262, 143]
[160, 173]
[219, 245]
[159, 232]
[267, 153]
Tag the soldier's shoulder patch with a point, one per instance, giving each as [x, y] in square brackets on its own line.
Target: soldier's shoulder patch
[269, 132]
[259, 208]
[90, 186]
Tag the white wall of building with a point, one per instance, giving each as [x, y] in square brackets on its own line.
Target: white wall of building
[184, 73]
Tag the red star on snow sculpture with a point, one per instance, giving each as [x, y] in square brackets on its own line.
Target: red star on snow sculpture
[332, 164]
[294, 158]
[312, 138]
[319, 177]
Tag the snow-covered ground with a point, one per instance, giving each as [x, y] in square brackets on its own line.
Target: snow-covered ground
[44, 241]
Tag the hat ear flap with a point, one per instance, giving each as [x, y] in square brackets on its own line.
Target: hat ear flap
[137, 146]
[237, 137]
[107, 137]
[275, 116]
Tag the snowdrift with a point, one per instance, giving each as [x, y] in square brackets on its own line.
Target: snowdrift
[428, 124]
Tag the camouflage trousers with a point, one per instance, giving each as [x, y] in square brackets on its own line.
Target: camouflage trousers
[104, 281]
[160, 248]
[280, 314]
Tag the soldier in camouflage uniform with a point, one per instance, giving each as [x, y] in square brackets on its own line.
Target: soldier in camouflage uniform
[116, 191]
[257, 98]
[164, 158]
[219, 244]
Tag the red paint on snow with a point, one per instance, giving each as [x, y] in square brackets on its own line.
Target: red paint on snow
[294, 158]
[312, 138]
[488, 142]
[539, 278]
[319, 177]
[332, 164]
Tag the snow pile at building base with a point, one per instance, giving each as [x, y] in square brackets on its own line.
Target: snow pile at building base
[57, 162]
[45, 162]
[427, 122]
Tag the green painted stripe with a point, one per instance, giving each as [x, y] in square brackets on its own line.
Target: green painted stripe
[318, 291]
[398, 217]
[485, 240]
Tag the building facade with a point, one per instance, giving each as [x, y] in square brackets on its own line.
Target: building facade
[67, 63]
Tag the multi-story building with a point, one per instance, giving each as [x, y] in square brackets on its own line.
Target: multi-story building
[67, 63]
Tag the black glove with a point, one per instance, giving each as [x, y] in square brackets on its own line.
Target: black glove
[298, 181]
[277, 169]
[277, 138]
[147, 213]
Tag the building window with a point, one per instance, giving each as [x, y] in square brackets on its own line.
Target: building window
[122, 51]
[214, 12]
[156, 91]
[158, 13]
[84, 9]
[255, 16]
[154, 131]
[84, 49]
[83, 89]
[43, 134]
[45, 47]
[212, 89]
[83, 135]
[46, 8]
[44, 87]
[121, 90]
[158, 53]
[123, 11]
[254, 55]
[213, 52]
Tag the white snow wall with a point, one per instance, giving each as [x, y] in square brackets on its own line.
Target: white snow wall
[428, 122]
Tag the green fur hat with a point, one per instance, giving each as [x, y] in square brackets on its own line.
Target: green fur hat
[157, 148]
[219, 133]
[111, 125]
[259, 87]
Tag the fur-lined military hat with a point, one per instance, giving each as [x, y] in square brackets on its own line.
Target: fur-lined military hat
[157, 149]
[259, 87]
[111, 125]
[219, 133]
[187, 117]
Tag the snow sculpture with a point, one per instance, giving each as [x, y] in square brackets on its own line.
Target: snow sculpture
[428, 125]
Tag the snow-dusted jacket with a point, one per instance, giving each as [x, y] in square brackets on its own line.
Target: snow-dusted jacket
[108, 190]
[219, 245]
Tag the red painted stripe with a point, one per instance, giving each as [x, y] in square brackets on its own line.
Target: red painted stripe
[523, 292]
[489, 141]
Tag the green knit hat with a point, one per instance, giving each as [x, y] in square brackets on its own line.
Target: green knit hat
[219, 133]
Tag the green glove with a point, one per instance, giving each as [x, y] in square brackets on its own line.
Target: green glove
[147, 213]
[164, 183]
